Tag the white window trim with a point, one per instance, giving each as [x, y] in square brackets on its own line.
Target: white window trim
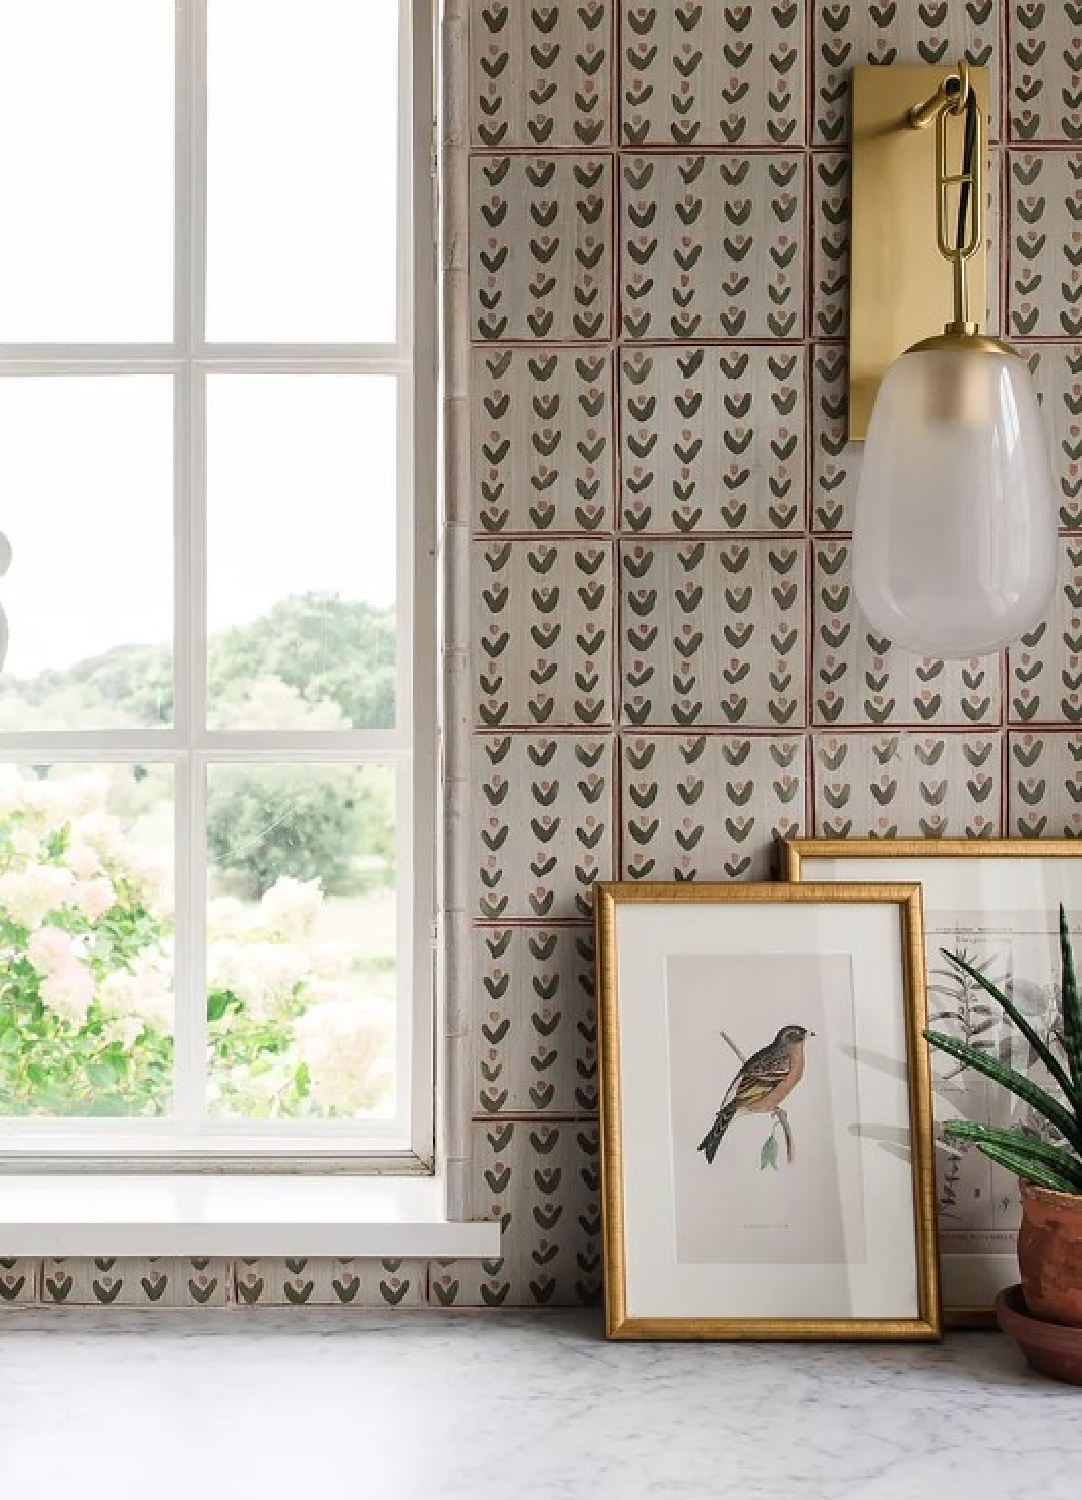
[327, 1147]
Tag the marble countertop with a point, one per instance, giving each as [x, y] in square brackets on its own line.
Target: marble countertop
[301, 1405]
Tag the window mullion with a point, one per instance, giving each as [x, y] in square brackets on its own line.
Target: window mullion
[190, 1067]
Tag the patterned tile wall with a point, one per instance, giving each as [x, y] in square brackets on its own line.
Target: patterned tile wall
[666, 664]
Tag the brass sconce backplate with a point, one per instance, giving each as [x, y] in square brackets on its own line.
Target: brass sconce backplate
[900, 287]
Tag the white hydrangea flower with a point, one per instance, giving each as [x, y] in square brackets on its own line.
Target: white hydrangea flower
[263, 975]
[50, 949]
[86, 793]
[291, 907]
[226, 916]
[123, 1029]
[82, 860]
[332, 960]
[146, 994]
[95, 897]
[28, 895]
[348, 1046]
[68, 991]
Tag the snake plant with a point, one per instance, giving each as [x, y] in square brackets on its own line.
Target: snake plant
[1048, 1165]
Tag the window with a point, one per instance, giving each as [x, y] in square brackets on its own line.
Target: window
[216, 710]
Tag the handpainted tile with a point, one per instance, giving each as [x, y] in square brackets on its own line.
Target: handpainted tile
[1057, 374]
[542, 431]
[859, 677]
[830, 244]
[712, 439]
[713, 633]
[540, 73]
[846, 33]
[18, 1281]
[694, 74]
[542, 1182]
[535, 1032]
[128, 1282]
[1044, 49]
[322, 1282]
[707, 807]
[1045, 291]
[713, 246]
[540, 265]
[542, 816]
[1045, 667]
[907, 785]
[1044, 787]
[542, 626]
[835, 466]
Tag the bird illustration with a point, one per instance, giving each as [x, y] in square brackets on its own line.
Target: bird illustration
[769, 1076]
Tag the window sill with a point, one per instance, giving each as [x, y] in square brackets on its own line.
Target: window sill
[215, 1214]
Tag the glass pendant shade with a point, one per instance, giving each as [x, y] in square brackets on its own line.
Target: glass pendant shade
[954, 542]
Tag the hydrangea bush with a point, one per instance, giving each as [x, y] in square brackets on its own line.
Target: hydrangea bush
[86, 962]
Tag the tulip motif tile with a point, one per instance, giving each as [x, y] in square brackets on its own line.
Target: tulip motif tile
[712, 246]
[540, 251]
[1044, 55]
[541, 73]
[1046, 664]
[1044, 787]
[713, 633]
[860, 678]
[19, 1280]
[1045, 285]
[907, 786]
[535, 1032]
[128, 1282]
[708, 807]
[322, 1282]
[543, 627]
[712, 439]
[542, 441]
[1057, 374]
[542, 1182]
[694, 74]
[835, 461]
[846, 33]
[542, 812]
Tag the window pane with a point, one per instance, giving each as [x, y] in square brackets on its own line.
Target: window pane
[86, 940]
[302, 101]
[86, 170]
[301, 941]
[301, 522]
[86, 478]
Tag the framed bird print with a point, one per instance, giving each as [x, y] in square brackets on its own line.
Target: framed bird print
[996, 901]
[766, 1124]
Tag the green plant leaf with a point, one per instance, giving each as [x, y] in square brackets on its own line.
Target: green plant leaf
[1063, 1162]
[1026, 1168]
[769, 1155]
[1009, 1078]
[1036, 1041]
[1072, 1015]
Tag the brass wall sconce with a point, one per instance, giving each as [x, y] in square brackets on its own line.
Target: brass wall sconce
[954, 539]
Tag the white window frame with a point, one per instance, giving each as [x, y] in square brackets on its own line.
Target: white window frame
[187, 1142]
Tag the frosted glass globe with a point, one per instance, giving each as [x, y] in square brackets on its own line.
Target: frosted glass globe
[954, 540]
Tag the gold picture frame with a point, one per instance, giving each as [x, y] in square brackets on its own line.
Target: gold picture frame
[670, 913]
[969, 1277]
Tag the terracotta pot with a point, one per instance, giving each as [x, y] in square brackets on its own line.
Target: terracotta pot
[1050, 1254]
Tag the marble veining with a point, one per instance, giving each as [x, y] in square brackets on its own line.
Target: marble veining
[385, 1406]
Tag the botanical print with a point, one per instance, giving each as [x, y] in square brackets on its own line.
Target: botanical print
[979, 1204]
[764, 1109]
